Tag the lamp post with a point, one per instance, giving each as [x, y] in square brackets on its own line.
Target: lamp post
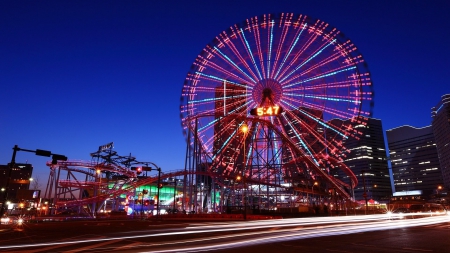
[312, 189]
[244, 129]
[40, 152]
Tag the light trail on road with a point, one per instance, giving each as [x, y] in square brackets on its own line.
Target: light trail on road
[245, 233]
[312, 232]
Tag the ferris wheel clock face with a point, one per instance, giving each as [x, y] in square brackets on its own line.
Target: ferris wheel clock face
[266, 111]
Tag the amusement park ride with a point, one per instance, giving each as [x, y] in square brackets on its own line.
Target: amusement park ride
[266, 110]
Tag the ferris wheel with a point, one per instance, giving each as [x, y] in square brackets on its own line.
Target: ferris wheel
[276, 97]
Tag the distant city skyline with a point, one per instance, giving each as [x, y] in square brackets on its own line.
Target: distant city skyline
[77, 75]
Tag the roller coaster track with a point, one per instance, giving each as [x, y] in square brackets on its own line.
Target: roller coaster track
[130, 187]
[95, 166]
[337, 184]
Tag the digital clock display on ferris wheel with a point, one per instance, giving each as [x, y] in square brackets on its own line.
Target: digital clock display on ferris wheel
[266, 111]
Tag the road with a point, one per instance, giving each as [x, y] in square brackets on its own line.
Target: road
[371, 233]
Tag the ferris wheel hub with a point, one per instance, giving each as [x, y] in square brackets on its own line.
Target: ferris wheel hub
[267, 90]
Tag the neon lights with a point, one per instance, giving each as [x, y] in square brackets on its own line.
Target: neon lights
[290, 65]
[250, 53]
[266, 111]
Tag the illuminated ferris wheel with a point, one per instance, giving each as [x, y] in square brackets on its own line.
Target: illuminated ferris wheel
[298, 85]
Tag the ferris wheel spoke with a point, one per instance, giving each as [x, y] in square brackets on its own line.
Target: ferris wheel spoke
[302, 52]
[332, 60]
[281, 43]
[271, 24]
[229, 61]
[208, 100]
[292, 46]
[326, 74]
[324, 124]
[240, 33]
[230, 76]
[276, 144]
[249, 52]
[257, 38]
[325, 85]
[237, 54]
[334, 98]
[300, 140]
[317, 137]
[331, 111]
[227, 141]
[237, 110]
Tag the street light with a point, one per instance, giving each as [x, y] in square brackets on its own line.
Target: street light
[312, 189]
[244, 130]
[40, 152]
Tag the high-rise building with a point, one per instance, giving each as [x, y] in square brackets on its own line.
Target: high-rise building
[414, 160]
[230, 100]
[19, 180]
[296, 130]
[368, 161]
[441, 131]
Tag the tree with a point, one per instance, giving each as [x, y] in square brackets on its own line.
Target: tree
[35, 184]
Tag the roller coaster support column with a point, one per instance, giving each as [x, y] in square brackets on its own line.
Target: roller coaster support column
[159, 186]
[174, 193]
[12, 164]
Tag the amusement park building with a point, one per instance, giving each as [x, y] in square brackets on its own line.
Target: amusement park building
[367, 159]
[414, 160]
[19, 180]
[441, 131]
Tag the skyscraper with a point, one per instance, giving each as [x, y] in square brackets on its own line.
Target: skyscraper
[230, 100]
[441, 131]
[19, 180]
[414, 160]
[367, 160]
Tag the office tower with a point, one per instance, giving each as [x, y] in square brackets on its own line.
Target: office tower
[230, 100]
[19, 180]
[296, 127]
[367, 159]
[414, 160]
[441, 131]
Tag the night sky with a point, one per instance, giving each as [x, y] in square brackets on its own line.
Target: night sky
[75, 75]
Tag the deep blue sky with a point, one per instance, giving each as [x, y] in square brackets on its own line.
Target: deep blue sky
[78, 74]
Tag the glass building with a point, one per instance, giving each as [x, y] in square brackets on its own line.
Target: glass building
[414, 160]
[441, 130]
[368, 161]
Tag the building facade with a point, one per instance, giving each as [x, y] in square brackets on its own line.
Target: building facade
[230, 100]
[368, 161]
[19, 180]
[441, 130]
[414, 160]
